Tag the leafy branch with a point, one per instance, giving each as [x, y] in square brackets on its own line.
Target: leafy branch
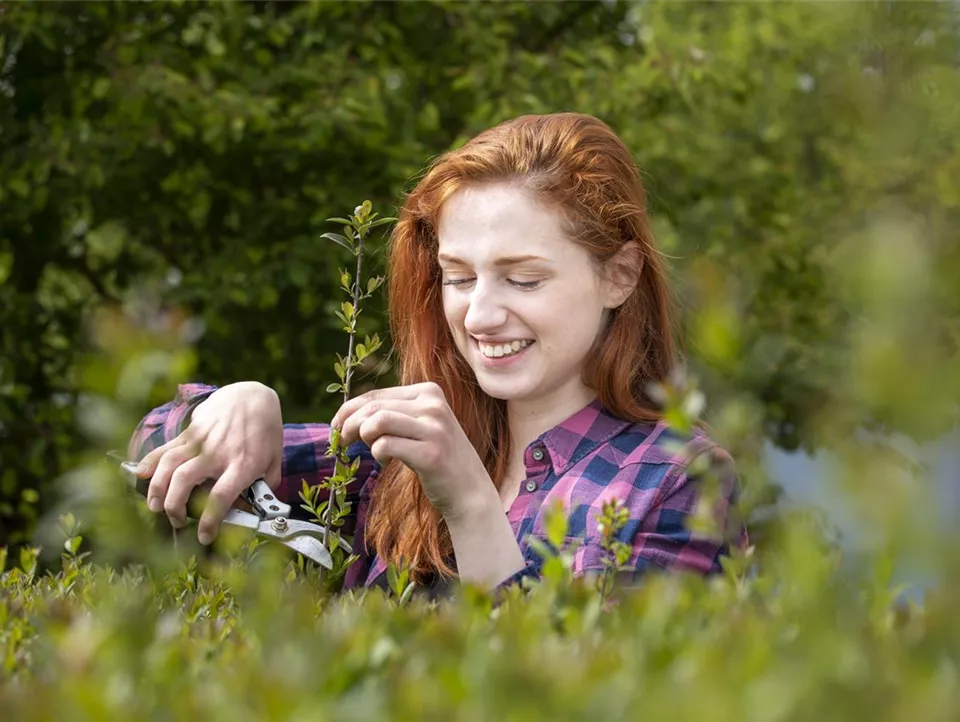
[613, 517]
[333, 510]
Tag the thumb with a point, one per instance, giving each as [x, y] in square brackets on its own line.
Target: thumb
[274, 472]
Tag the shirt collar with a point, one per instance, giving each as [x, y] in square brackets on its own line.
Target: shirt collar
[578, 435]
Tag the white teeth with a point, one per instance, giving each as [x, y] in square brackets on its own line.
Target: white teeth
[504, 349]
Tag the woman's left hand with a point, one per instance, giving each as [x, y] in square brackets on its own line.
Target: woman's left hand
[416, 425]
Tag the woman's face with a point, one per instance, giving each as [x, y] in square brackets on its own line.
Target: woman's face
[523, 302]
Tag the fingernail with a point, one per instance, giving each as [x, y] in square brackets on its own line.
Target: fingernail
[204, 538]
[141, 467]
[154, 504]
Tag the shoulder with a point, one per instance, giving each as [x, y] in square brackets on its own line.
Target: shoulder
[658, 458]
[662, 444]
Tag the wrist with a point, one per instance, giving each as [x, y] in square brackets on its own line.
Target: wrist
[477, 508]
[484, 542]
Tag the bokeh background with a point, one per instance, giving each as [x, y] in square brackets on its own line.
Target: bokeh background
[177, 161]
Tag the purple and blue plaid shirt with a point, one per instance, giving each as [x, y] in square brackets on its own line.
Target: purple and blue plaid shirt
[589, 458]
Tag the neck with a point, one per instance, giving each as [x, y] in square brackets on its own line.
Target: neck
[527, 419]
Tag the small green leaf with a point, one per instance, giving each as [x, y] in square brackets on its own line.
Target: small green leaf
[407, 593]
[28, 560]
[339, 240]
[68, 523]
[555, 523]
[544, 550]
[334, 388]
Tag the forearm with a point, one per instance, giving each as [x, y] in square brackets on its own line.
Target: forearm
[484, 543]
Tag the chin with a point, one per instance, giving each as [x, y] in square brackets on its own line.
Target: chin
[505, 392]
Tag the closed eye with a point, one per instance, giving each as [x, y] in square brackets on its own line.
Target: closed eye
[528, 285]
[525, 285]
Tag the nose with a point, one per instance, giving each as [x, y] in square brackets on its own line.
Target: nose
[486, 313]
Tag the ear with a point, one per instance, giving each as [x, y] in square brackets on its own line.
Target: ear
[622, 274]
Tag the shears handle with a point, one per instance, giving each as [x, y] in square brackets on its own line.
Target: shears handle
[197, 497]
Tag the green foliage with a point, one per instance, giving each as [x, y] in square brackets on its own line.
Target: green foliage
[808, 639]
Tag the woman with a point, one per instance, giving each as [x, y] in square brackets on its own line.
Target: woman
[529, 310]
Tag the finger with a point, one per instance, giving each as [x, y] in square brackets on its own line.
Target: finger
[148, 463]
[351, 425]
[387, 447]
[274, 473]
[160, 479]
[184, 480]
[390, 422]
[357, 402]
[224, 493]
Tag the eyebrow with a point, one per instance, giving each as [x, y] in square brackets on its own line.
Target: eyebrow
[504, 261]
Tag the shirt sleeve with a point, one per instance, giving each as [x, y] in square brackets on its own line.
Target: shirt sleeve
[166, 422]
[531, 570]
[304, 447]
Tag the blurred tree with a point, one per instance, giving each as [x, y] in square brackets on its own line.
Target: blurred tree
[189, 153]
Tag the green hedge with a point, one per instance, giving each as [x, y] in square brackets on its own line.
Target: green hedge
[810, 638]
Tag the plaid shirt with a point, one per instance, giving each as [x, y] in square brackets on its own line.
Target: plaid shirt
[587, 459]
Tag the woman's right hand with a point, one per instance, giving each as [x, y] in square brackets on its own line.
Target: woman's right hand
[235, 437]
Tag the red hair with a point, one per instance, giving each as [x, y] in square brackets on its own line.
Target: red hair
[576, 164]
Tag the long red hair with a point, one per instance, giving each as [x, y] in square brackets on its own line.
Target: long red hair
[578, 165]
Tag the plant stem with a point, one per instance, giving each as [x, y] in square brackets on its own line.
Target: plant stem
[353, 333]
[348, 375]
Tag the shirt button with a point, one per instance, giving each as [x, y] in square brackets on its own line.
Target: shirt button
[538, 454]
[531, 486]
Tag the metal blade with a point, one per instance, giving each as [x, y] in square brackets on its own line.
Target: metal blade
[238, 517]
[312, 549]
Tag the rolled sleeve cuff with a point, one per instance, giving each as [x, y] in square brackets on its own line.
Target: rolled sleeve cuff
[189, 397]
[531, 571]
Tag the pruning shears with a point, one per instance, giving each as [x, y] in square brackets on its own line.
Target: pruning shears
[269, 518]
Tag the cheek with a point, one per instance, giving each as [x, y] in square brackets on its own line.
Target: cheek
[574, 324]
[454, 310]
[575, 314]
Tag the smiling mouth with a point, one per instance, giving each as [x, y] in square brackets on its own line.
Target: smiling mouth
[503, 350]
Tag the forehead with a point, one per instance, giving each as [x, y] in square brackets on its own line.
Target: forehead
[482, 223]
